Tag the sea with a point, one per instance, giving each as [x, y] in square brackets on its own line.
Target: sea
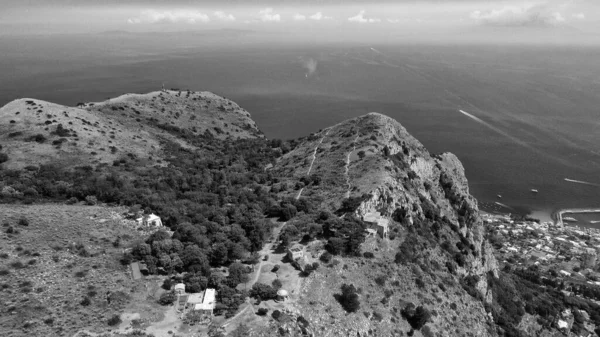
[518, 117]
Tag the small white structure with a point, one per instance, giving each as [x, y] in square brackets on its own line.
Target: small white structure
[562, 324]
[379, 222]
[151, 220]
[296, 252]
[180, 288]
[208, 302]
[282, 295]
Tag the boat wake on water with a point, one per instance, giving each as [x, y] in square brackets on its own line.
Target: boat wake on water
[581, 182]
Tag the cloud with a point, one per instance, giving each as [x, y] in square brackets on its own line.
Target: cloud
[393, 20]
[579, 16]
[178, 16]
[267, 15]
[360, 18]
[299, 17]
[544, 14]
[223, 16]
[319, 16]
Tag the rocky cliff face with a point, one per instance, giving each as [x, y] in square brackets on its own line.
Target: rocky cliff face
[373, 164]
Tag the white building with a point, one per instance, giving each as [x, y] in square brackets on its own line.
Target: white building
[151, 220]
[208, 302]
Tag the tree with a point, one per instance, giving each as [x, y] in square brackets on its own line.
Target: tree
[335, 245]
[167, 298]
[263, 291]
[237, 274]
[349, 298]
[416, 317]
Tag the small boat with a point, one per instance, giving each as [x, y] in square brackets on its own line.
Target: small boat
[533, 190]
[569, 219]
[594, 221]
[499, 196]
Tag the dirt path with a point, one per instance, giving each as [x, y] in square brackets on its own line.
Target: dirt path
[314, 157]
[348, 167]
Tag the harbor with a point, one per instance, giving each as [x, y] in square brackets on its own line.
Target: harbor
[566, 216]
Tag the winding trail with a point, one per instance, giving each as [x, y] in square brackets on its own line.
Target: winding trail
[314, 157]
[347, 195]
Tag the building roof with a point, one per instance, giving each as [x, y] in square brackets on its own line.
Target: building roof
[180, 286]
[282, 293]
[135, 271]
[195, 298]
[208, 300]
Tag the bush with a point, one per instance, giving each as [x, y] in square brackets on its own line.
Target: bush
[3, 157]
[23, 221]
[167, 298]
[349, 298]
[4, 272]
[91, 200]
[17, 265]
[166, 284]
[276, 314]
[263, 291]
[326, 257]
[368, 255]
[276, 284]
[115, 320]
[418, 317]
[85, 302]
[262, 311]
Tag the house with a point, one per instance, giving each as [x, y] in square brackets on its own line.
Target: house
[295, 252]
[151, 220]
[180, 288]
[207, 305]
[377, 222]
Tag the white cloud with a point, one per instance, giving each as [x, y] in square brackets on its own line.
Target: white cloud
[319, 16]
[543, 14]
[360, 18]
[393, 20]
[267, 15]
[299, 17]
[579, 16]
[223, 16]
[178, 16]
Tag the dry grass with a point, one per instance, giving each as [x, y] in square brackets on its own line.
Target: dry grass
[103, 132]
[74, 259]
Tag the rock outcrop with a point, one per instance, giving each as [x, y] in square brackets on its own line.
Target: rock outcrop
[434, 221]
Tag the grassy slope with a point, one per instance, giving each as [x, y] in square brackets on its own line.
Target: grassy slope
[53, 286]
[105, 131]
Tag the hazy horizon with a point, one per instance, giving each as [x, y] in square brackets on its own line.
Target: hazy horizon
[456, 21]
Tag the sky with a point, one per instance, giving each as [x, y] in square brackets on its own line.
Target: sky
[308, 18]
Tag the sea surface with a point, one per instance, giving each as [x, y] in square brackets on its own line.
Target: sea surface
[531, 115]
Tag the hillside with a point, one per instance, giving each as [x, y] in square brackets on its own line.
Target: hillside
[371, 167]
[34, 132]
[390, 241]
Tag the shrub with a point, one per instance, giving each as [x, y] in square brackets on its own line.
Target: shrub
[418, 317]
[91, 200]
[167, 298]
[326, 257]
[81, 273]
[263, 291]
[368, 255]
[349, 298]
[115, 320]
[262, 311]
[166, 284]
[276, 284]
[4, 272]
[49, 321]
[23, 221]
[276, 314]
[17, 265]
[3, 157]
[85, 302]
